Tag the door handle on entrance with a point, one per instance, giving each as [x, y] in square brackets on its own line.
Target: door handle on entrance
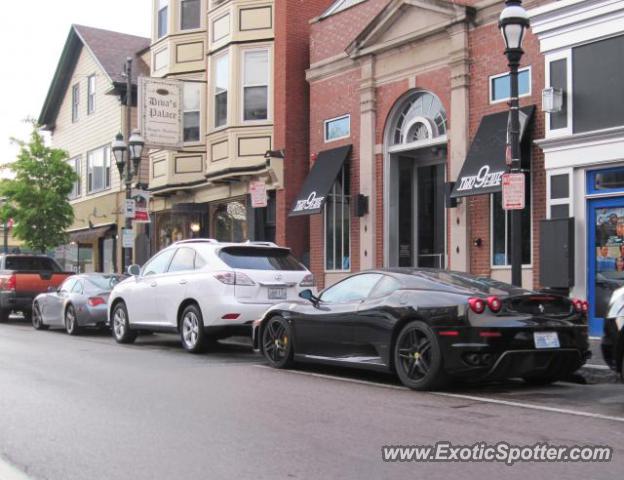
[183, 282]
[153, 284]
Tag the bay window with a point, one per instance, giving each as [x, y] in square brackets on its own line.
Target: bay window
[163, 17]
[221, 80]
[190, 14]
[192, 100]
[255, 84]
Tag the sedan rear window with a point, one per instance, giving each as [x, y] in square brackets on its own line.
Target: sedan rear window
[254, 258]
[32, 264]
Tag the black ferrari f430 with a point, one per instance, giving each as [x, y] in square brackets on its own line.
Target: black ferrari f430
[429, 327]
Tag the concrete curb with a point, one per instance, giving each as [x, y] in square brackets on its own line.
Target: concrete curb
[588, 375]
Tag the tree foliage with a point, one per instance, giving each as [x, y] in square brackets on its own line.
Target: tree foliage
[37, 196]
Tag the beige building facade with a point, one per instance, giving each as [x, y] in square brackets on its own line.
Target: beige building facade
[83, 112]
[222, 51]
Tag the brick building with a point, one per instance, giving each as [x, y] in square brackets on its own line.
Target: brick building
[406, 98]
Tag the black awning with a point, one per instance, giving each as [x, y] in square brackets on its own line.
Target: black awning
[90, 235]
[319, 182]
[485, 163]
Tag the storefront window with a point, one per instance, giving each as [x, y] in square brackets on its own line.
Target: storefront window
[338, 225]
[229, 222]
[174, 226]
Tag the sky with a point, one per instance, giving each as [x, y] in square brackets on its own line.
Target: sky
[32, 37]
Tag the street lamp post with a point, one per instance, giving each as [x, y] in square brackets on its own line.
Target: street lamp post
[513, 23]
[128, 159]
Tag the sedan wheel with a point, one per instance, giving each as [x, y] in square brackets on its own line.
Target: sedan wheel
[277, 343]
[37, 321]
[192, 329]
[71, 322]
[121, 325]
[417, 357]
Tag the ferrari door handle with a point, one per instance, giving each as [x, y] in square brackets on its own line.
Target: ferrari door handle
[183, 282]
[153, 284]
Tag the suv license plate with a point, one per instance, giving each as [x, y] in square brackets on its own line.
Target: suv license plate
[277, 293]
[546, 340]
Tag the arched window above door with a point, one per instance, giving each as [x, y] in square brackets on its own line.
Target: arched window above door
[421, 118]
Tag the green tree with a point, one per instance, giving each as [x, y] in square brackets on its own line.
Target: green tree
[37, 195]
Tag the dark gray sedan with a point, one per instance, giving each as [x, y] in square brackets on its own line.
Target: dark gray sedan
[80, 301]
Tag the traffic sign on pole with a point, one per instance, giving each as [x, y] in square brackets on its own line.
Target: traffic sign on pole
[513, 191]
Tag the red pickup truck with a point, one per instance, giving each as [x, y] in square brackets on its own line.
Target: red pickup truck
[22, 278]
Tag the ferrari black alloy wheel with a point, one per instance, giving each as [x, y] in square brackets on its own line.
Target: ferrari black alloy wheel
[277, 342]
[417, 357]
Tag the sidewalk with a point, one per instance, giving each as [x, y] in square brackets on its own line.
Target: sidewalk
[595, 370]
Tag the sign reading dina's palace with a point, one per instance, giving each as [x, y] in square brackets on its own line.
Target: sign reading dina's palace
[160, 112]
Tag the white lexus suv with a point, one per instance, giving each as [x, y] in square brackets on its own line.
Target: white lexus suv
[205, 290]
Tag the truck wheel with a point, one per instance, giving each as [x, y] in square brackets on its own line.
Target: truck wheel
[4, 316]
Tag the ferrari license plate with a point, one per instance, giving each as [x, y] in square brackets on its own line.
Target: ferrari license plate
[546, 340]
[277, 293]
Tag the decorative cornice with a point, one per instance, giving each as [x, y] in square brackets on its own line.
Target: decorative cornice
[597, 137]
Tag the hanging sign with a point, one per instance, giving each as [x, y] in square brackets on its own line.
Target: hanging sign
[160, 112]
[258, 192]
[141, 200]
[513, 191]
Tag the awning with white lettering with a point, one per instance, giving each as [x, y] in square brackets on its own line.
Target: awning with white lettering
[320, 180]
[485, 163]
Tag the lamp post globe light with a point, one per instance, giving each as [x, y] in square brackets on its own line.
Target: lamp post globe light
[128, 160]
[513, 23]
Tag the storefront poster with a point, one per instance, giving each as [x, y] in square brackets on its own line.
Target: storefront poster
[141, 200]
[609, 265]
[258, 192]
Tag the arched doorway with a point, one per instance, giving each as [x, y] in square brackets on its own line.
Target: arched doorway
[415, 151]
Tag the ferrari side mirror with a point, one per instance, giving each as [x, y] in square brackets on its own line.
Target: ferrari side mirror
[309, 296]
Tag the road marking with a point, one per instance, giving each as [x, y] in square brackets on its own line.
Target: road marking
[9, 472]
[509, 403]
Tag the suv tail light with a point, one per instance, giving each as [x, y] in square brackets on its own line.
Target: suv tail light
[494, 303]
[477, 305]
[95, 301]
[308, 281]
[234, 278]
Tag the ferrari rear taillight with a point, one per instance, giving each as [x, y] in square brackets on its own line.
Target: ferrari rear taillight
[494, 303]
[580, 306]
[95, 301]
[308, 281]
[477, 305]
[234, 278]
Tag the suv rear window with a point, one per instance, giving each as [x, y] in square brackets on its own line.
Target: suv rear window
[254, 258]
[31, 264]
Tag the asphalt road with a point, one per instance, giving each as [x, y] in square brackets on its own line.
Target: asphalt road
[87, 408]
